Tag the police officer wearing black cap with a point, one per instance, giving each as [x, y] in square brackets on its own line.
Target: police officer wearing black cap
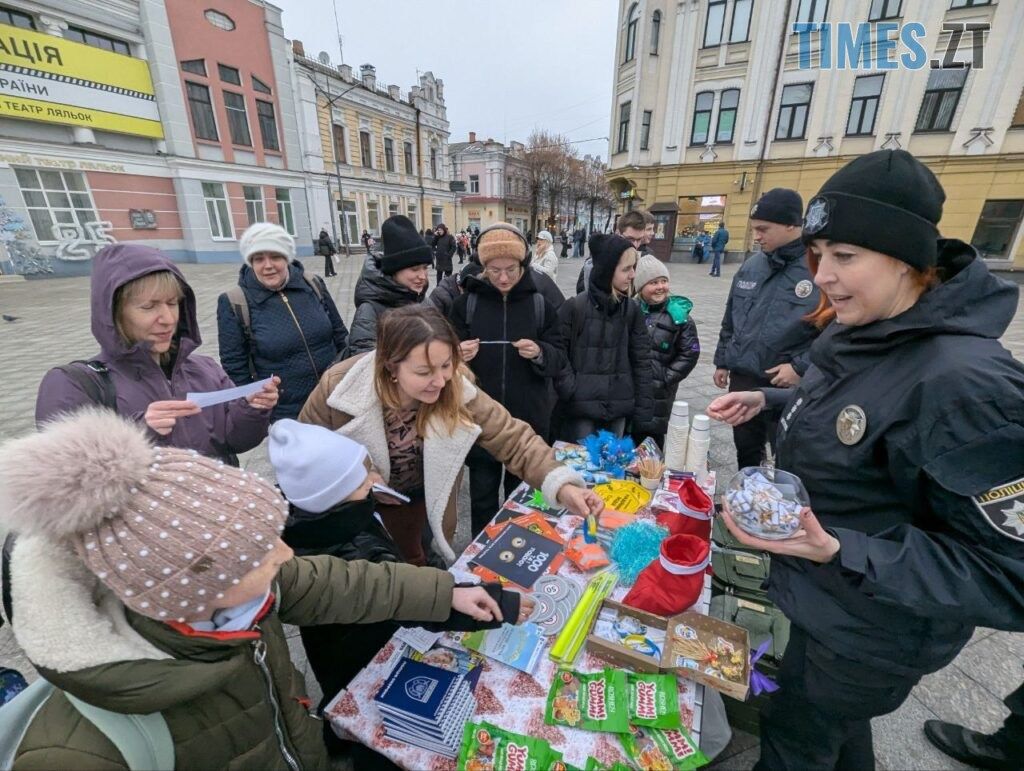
[908, 433]
[765, 337]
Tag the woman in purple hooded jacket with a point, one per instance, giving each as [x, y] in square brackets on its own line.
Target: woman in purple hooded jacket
[144, 319]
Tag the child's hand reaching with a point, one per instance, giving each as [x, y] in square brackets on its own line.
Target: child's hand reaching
[476, 603]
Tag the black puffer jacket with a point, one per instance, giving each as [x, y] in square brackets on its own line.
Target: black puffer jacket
[444, 248]
[444, 294]
[524, 387]
[375, 293]
[675, 351]
[349, 532]
[609, 352]
[547, 287]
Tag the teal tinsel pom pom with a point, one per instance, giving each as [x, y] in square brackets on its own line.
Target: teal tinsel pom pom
[635, 546]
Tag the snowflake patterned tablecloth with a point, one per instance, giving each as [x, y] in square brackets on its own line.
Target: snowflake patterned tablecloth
[505, 697]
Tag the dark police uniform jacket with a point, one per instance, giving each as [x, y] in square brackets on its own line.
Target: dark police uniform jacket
[922, 483]
[764, 325]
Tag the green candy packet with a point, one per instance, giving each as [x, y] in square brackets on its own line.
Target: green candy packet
[593, 764]
[595, 702]
[487, 747]
[653, 700]
[653, 749]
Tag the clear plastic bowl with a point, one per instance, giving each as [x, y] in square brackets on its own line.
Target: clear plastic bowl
[766, 502]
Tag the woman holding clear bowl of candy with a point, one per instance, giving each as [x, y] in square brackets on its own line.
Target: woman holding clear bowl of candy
[908, 434]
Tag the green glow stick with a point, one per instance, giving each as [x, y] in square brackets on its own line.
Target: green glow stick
[570, 640]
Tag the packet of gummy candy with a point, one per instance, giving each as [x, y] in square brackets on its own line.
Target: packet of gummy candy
[653, 700]
[593, 764]
[652, 749]
[486, 747]
[596, 702]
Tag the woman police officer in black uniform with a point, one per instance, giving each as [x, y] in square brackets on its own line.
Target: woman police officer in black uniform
[908, 433]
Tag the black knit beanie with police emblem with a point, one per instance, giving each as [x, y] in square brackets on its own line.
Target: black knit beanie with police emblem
[886, 201]
[780, 205]
[403, 245]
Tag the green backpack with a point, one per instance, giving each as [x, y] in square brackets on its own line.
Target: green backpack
[144, 741]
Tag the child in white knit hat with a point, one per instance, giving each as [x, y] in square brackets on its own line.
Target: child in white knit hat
[325, 477]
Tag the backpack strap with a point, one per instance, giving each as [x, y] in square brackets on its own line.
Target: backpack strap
[470, 310]
[240, 306]
[144, 741]
[314, 284]
[538, 312]
[94, 379]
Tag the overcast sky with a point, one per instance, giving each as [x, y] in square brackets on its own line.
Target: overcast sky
[507, 66]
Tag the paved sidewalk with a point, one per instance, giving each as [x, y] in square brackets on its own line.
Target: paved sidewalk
[53, 328]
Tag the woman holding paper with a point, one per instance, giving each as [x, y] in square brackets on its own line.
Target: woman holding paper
[144, 319]
[413, 405]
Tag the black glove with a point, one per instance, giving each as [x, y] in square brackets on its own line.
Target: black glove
[508, 601]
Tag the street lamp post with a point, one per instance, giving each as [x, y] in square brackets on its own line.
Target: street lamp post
[331, 100]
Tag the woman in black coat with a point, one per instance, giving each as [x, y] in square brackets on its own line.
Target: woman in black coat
[325, 247]
[675, 348]
[503, 304]
[444, 248]
[609, 378]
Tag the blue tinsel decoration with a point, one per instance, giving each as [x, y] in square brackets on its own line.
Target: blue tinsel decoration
[635, 546]
[608, 453]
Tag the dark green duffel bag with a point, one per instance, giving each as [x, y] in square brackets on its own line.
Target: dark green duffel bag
[736, 566]
[759, 617]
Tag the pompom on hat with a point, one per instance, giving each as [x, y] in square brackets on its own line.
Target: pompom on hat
[167, 530]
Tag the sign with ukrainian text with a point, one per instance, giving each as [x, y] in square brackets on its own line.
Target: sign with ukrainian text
[46, 78]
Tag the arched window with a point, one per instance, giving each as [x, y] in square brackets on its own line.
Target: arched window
[632, 19]
[655, 31]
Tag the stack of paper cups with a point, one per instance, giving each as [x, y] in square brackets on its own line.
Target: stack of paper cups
[676, 436]
[697, 447]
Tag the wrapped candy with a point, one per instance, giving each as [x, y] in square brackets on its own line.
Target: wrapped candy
[766, 502]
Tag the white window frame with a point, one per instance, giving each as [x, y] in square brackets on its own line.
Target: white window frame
[373, 213]
[350, 220]
[474, 183]
[285, 212]
[436, 216]
[71, 213]
[214, 211]
[255, 208]
[413, 213]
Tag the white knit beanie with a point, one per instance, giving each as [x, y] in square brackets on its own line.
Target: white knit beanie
[545, 235]
[266, 237]
[648, 268]
[316, 468]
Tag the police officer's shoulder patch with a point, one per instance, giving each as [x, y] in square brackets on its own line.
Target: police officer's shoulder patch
[1003, 508]
[803, 289]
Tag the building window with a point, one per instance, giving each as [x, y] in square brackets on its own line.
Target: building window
[414, 215]
[350, 222]
[408, 157]
[645, 130]
[436, 215]
[285, 217]
[55, 198]
[199, 104]
[727, 106]
[474, 183]
[702, 118]
[433, 163]
[1018, 115]
[229, 74]
[338, 133]
[812, 11]
[655, 32]
[969, 3]
[217, 211]
[373, 216]
[389, 154]
[739, 32]
[714, 24]
[796, 103]
[80, 35]
[259, 85]
[254, 209]
[393, 210]
[632, 20]
[884, 9]
[997, 229]
[624, 110]
[194, 66]
[941, 96]
[16, 19]
[238, 124]
[220, 20]
[365, 156]
[268, 125]
[867, 90]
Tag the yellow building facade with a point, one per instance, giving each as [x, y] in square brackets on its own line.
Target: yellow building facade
[373, 152]
[715, 103]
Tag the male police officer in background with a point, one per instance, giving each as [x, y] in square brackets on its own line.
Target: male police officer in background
[764, 338]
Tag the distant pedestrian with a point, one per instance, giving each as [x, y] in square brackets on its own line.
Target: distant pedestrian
[564, 238]
[698, 250]
[367, 240]
[529, 237]
[462, 246]
[444, 249]
[325, 247]
[579, 237]
[718, 242]
[544, 258]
